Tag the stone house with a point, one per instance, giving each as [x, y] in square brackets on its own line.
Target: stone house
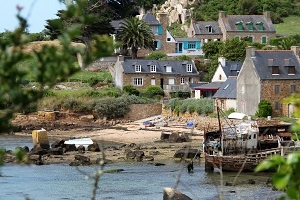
[171, 75]
[256, 28]
[164, 41]
[225, 97]
[268, 75]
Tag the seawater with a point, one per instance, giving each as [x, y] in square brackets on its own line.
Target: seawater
[138, 181]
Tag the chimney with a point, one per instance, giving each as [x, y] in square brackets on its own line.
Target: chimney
[163, 18]
[222, 61]
[250, 52]
[222, 14]
[267, 14]
[296, 50]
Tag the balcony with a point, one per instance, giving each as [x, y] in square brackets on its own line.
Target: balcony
[176, 88]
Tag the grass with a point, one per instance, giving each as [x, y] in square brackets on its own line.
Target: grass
[290, 26]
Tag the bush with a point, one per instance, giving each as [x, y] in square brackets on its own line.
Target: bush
[264, 109]
[157, 55]
[111, 107]
[131, 90]
[153, 91]
[183, 57]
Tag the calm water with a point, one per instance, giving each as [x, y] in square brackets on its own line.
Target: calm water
[140, 181]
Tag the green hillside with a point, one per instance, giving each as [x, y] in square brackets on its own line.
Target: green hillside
[290, 25]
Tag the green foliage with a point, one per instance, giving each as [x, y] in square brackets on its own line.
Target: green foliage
[49, 65]
[285, 43]
[201, 106]
[131, 90]
[176, 30]
[180, 94]
[234, 49]
[2, 156]
[287, 175]
[204, 106]
[135, 34]
[290, 25]
[173, 103]
[229, 111]
[153, 91]
[210, 49]
[264, 109]
[111, 107]
[102, 76]
[157, 55]
[183, 57]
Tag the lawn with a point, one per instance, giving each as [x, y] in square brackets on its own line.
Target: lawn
[291, 25]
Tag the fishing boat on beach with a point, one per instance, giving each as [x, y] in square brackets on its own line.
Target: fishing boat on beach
[243, 145]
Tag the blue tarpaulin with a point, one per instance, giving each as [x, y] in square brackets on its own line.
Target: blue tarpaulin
[190, 124]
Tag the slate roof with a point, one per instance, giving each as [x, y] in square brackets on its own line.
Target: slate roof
[232, 68]
[149, 18]
[210, 86]
[194, 85]
[189, 39]
[230, 22]
[281, 58]
[227, 89]
[178, 67]
[116, 24]
[200, 27]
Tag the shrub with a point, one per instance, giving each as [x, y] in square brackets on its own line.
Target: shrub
[183, 57]
[111, 107]
[153, 91]
[173, 103]
[131, 90]
[157, 55]
[264, 109]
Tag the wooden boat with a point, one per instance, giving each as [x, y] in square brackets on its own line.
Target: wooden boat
[242, 146]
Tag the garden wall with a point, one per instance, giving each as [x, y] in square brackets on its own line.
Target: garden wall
[141, 111]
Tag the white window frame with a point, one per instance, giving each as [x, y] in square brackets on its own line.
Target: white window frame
[171, 81]
[153, 81]
[169, 69]
[138, 68]
[152, 68]
[189, 68]
[182, 80]
[138, 81]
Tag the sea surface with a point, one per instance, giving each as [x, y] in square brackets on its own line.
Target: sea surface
[138, 181]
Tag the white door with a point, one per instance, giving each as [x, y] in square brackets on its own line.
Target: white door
[291, 110]
[153, 81]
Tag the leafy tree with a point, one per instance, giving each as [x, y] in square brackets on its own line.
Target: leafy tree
[234, 49]
[157, 55]
[176, 30]
[131, 90]
[98, 16]
[148, 4]
[53, 64]
[264, 109]
[211, 48]
[135, 34]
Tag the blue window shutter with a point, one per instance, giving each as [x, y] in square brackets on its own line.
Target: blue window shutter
[198, 45]
[158, 44]
[159, 30]
[185, 45]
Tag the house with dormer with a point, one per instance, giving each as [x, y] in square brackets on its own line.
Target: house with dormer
[171, 75]
[164, 41]
[270, 75]
[256, 28]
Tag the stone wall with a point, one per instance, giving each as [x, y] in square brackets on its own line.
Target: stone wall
[141, 111]
[102, 64]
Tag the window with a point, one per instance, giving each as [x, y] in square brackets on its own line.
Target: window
[264, 40]
[250, 39]
[209, 28]
[138, 68]
[293, 88]
[260, 26]
[152, 68]
[240, 25]
[154, 30]
[182, 80]
[191, 80]
[250, 26]
[276, 89]
[192, 45]
[171, 81]
[152, 81]
[291, 70]
[220, 77]
[277, 105]
[275, 70]
[137, 81]
[189, 68]
[168, 39]
[169, 69]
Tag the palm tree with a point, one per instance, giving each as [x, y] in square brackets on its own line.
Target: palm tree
[135, 34]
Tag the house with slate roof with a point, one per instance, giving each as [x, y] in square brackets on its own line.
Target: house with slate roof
[225, 97]
[257, 28]
[268, 75]
[171, 75]
[164, 41]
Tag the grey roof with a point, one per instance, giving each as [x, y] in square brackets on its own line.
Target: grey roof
[194, 85]
[227, 89]
[231, 21]
[116, 24]
[149, 18]
[201, 27]
[210, 86]
[178, 67]
[232, 68]
[190, 39]
[280, 58]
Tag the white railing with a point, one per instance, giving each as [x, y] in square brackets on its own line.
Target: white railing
[176, 88]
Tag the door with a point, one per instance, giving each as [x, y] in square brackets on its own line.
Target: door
[291, 110]
[180, 47]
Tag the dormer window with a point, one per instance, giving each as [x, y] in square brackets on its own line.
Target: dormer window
[168, 68]
[209, 28]
[250, 26]
[189, 68]
[152, 68]
[260, 26]
[240, 25]
[275, 70]
[138, 68]
[291, 70]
